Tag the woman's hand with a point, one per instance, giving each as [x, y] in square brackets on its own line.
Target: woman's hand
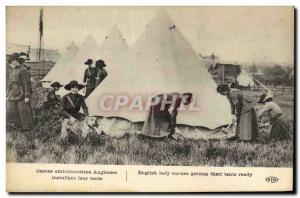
[26, 100]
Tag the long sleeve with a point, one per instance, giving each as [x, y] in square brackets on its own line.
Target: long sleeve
[265, 108]
[84, 107]
[50, 95]
[63, 107]
[101, 75]
[232, 106]
[239, 105]
[25, 78]
[85, 77]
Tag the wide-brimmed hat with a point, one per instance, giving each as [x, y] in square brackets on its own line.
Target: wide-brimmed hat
[88, 62]
[100, 63]
[14, 56]
[73, 83]
[56, 84]
[268, 96]
[20, 57]
[24, 56]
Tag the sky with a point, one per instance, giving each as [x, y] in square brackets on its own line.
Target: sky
[260, 35]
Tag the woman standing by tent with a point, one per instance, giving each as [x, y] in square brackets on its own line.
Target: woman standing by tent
[242, 109]
[280, 129]
[90, 75]
[102, 73]
[19, 113]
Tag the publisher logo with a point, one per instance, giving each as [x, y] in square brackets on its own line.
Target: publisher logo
[272, 179]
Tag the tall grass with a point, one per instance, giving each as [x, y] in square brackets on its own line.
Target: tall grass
[41, 145]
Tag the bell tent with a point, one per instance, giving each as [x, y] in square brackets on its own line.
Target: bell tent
[73, 68]
[67, 55]
[163, 62]
[167, 63]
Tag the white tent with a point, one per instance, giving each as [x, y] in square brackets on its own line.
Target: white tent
[165, 63]
[168, 63]
[67, 55]
[208, 61]
[244, 79]
[121, 71]
[73, 68]
[72, 49]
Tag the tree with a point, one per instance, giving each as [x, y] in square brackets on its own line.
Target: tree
[253, 69]
[276, 74]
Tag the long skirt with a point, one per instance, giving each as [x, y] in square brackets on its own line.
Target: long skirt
[157, 124]
[89, 88]
[280, 129]
[247, 127]
[20, 114]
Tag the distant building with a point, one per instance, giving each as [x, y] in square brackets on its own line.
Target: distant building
[225, 72]
[50, 55]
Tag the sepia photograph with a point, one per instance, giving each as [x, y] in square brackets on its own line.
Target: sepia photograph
[149, 86]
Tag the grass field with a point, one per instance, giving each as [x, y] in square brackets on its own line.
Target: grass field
[136, 150]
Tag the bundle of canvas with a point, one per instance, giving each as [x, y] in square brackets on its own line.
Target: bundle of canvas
[117, 127]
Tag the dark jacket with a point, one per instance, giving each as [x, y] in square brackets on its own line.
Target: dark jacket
[52, 98]
[101, 75]
[19, 87]
[90, 75]
[72, 108]
[19, 84]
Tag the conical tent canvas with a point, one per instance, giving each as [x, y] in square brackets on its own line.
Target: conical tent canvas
[208, 61]
[67, 55]
[168, 63]
[121, 71]
[72, 49]
[74, 68]
[244, 79]
[119, 60]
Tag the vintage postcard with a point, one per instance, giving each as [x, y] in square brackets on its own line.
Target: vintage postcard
[149, 99]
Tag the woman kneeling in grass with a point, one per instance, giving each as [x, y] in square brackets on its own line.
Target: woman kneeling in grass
[280, 129]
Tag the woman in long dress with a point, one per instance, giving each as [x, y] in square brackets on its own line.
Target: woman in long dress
[90, 75]
[102, 73]
[243, 110]
[19, 113]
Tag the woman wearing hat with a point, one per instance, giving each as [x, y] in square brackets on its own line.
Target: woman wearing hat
[102, 73]
[53, 100]
[72, 102]
[280, 128]
[243, 110]
[90, 75]
[19, 91]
